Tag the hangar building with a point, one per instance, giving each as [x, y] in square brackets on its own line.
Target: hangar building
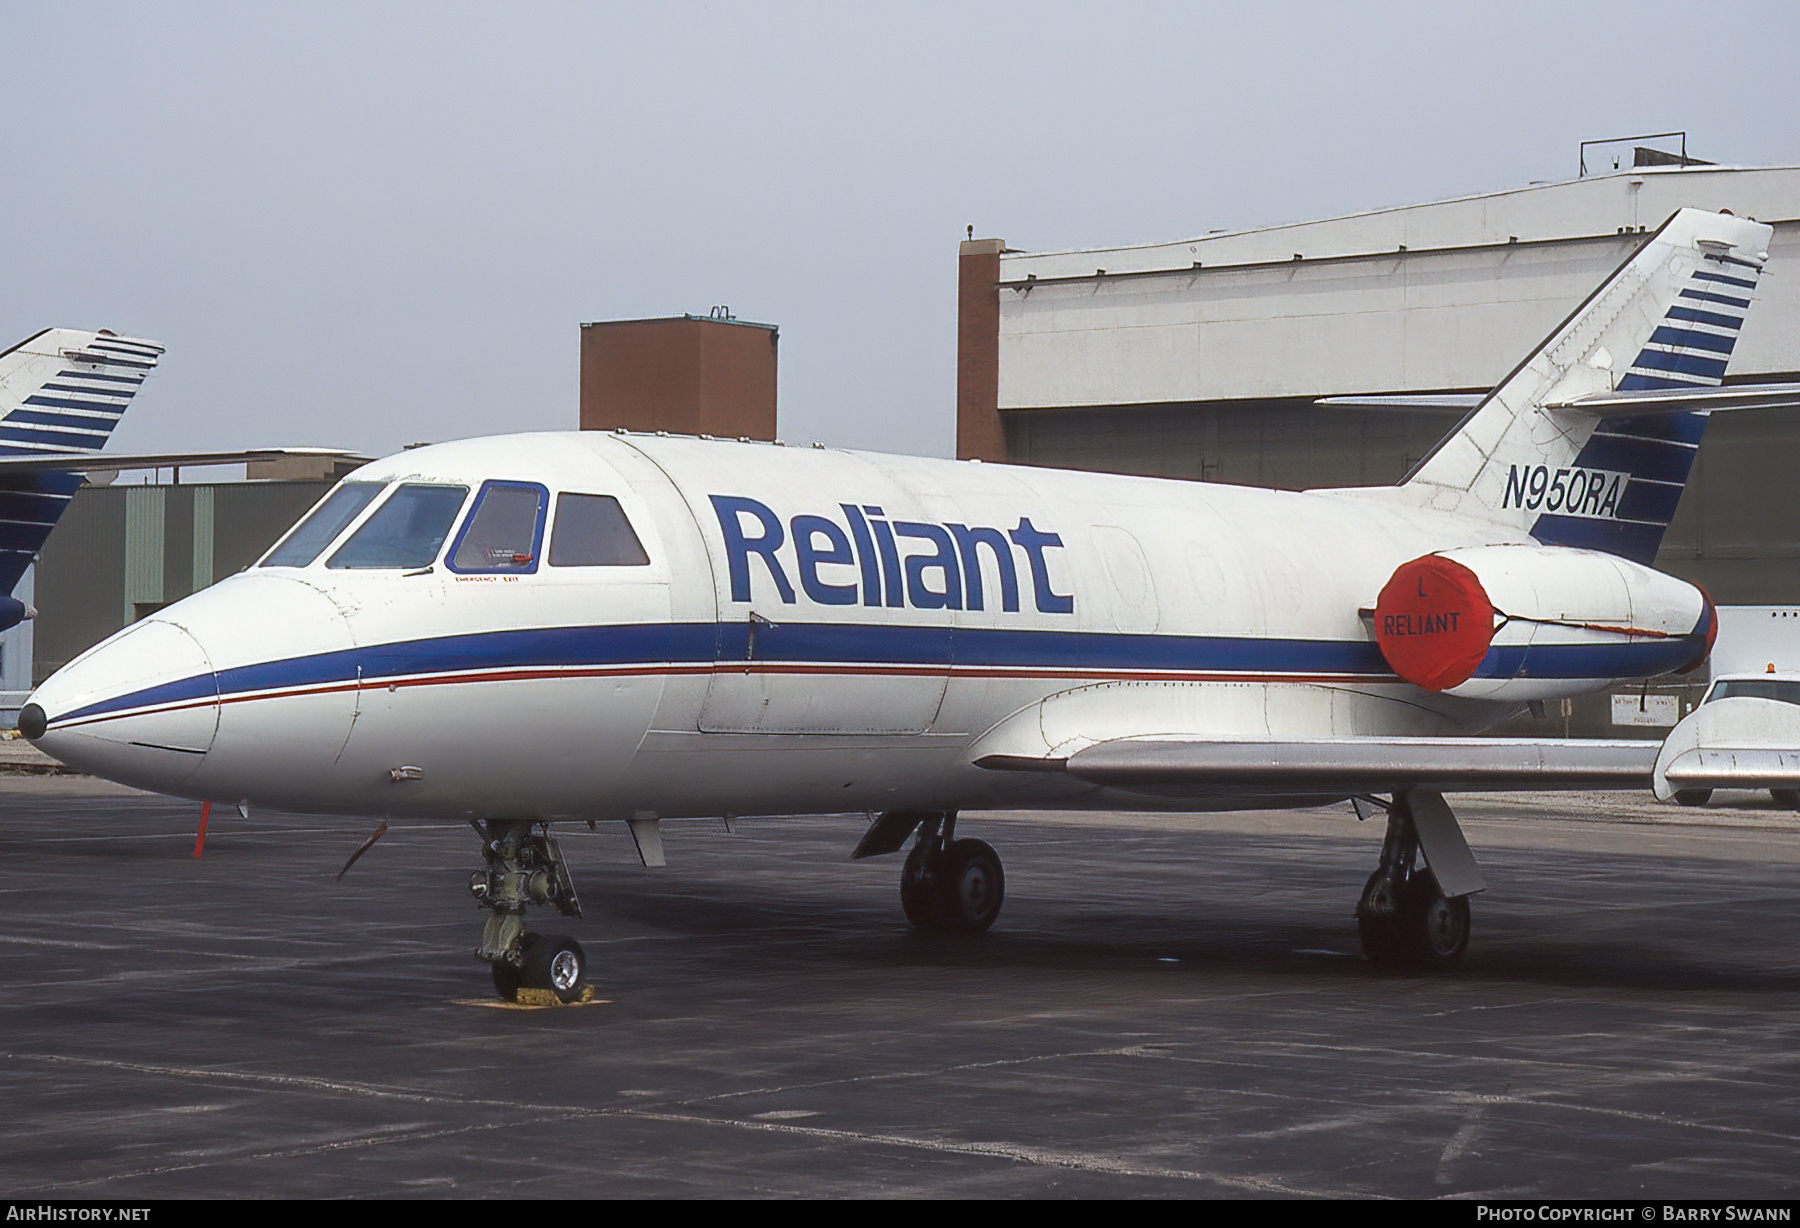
[1204, 358]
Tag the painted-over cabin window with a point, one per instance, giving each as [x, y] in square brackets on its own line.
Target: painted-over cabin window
[310, 537]
[503, 531]
[407, 531]
[592, 531]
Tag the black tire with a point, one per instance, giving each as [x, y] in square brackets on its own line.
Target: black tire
[1379, 932]
[918, 895]
[506, 981]
[1434, 930]
[1693, 797]
[1786, 797]
[971, 887]
[555, 962]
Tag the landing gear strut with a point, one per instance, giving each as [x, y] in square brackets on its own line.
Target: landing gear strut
[1404, 917]
[525, 866]
[951, 885]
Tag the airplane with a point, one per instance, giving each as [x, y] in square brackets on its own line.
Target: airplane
[542, 628]
[1743, 734]
[62, 391]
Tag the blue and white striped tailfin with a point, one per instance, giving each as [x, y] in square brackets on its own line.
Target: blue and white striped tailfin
[1595, 480]
[61, 393]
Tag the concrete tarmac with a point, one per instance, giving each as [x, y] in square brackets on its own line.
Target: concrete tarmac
[1168, 1007]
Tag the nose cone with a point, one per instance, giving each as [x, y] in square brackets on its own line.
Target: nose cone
[141, 708]
[245, 690]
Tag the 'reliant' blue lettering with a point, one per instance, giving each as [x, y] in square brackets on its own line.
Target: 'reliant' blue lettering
[868, 559]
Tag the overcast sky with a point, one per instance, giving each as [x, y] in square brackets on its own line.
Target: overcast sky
[373, 224]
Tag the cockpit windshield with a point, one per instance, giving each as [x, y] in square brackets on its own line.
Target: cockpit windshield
[406, 531]
[1784, 689]
[303, 544]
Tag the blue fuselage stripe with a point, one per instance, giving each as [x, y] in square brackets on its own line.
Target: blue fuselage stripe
[854, 647]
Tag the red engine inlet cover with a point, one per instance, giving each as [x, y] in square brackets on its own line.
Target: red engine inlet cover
[1434, 622]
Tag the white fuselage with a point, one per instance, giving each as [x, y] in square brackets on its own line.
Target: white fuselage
[815, 631]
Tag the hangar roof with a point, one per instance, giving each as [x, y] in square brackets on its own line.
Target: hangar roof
[1612, 203]
[1447, 295]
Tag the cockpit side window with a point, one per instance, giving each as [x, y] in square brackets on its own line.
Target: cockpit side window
[592, 531]
[307, 539]
[503, 531]
[406, 531]
[1785, 690]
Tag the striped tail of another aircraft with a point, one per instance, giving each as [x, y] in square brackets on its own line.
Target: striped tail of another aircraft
[62, 392]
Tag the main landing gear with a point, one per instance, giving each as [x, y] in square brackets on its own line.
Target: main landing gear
[1406, 917]
[947, 885]
[525, 866]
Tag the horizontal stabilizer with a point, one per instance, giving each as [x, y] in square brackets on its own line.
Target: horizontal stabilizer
[102, 461]
[1344, 766]
[1682, 400]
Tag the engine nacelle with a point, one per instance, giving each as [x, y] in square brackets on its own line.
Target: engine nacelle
[1525, 622]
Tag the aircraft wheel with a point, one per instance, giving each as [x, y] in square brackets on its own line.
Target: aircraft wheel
[555, 962]
[1786, 797]
[971, 886]
[1693, 797]
[506, 981]
[918, 897]
[1434, 929]
[1379, 932]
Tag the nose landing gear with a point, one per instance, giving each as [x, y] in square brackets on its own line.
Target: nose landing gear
[525, 866]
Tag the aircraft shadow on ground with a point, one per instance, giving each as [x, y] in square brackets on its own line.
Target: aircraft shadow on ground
[787, 927]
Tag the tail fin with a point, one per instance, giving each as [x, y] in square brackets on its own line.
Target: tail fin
[62, 391]
[1571, 475]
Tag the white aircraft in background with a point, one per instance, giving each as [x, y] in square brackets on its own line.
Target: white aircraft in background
[62, 391]
[1745, 734]
[556, 627]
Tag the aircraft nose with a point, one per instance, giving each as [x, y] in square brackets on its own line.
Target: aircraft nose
[141, 708]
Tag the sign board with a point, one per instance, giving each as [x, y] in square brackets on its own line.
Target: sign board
[1662, 710]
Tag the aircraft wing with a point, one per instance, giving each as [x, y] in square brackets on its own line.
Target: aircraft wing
[1734, 767]
[1742, 742]
[1178, 766]
[87, 462]
[1446, 401]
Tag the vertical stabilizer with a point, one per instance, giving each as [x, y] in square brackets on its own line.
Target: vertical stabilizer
[1668, 318]
[61, 392]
